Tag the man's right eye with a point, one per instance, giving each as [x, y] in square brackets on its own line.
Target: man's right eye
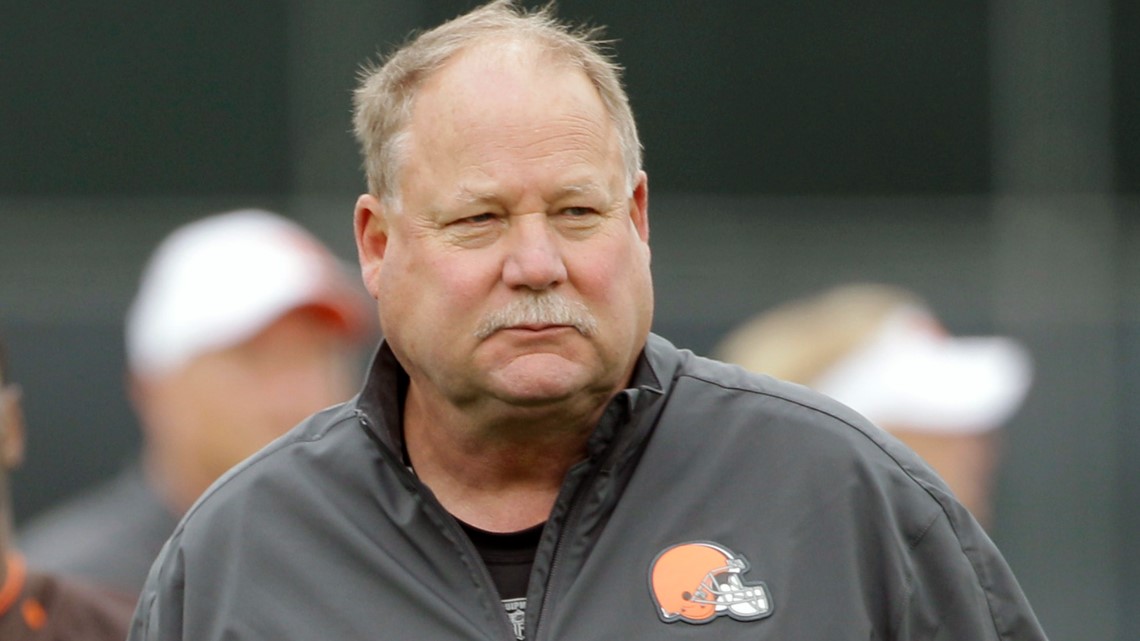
[477, 219]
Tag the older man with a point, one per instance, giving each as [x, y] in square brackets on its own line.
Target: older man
[525, 460]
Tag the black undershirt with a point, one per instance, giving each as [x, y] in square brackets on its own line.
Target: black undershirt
[509, 557]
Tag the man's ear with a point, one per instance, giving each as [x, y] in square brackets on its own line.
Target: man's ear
[639, 206]
[370, 225]
[11, 428]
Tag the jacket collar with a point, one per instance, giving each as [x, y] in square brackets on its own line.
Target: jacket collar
[381, 399]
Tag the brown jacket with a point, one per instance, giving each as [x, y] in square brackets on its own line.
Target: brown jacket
[44, 607]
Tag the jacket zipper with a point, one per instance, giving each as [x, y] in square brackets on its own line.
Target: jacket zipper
[460, 538]
[569, 525]
[597, 463]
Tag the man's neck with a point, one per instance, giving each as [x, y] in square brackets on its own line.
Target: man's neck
[499, 475]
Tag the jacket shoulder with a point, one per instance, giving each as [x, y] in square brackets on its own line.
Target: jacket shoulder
[322, 445]
[771, 419]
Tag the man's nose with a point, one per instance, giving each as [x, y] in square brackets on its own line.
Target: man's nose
[534, 254]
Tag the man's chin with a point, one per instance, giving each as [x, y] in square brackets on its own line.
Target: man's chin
[535, 393]
[539, 379]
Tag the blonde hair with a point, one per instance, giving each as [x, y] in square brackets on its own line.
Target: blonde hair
[384, 99]
[798, 341]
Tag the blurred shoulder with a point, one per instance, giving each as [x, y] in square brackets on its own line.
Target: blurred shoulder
[72, 609]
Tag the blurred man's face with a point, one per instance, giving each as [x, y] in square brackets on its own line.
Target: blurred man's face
[227, 404]
[517, 268]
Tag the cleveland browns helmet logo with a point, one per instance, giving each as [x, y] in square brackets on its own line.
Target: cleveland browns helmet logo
[698, 581]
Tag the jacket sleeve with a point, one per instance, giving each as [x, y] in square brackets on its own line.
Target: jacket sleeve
[158, 616]
[962, 588]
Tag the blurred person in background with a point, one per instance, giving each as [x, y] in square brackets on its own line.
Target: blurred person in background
[880, 350]
[243, 324]
[34, 605]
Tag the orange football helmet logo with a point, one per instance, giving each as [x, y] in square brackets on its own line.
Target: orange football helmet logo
[698, 581]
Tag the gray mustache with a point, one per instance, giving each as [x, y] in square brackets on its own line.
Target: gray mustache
[539, 309]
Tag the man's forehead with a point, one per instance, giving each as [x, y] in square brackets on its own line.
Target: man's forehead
[470, 194]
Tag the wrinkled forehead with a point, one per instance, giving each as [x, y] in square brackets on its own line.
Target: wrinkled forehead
[503, 92]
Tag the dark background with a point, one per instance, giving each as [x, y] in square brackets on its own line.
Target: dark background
[982, 153]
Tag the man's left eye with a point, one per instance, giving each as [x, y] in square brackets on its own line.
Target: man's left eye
[577, 211]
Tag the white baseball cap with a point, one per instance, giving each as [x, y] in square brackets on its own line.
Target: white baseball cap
[218, 281]
[911, 374]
